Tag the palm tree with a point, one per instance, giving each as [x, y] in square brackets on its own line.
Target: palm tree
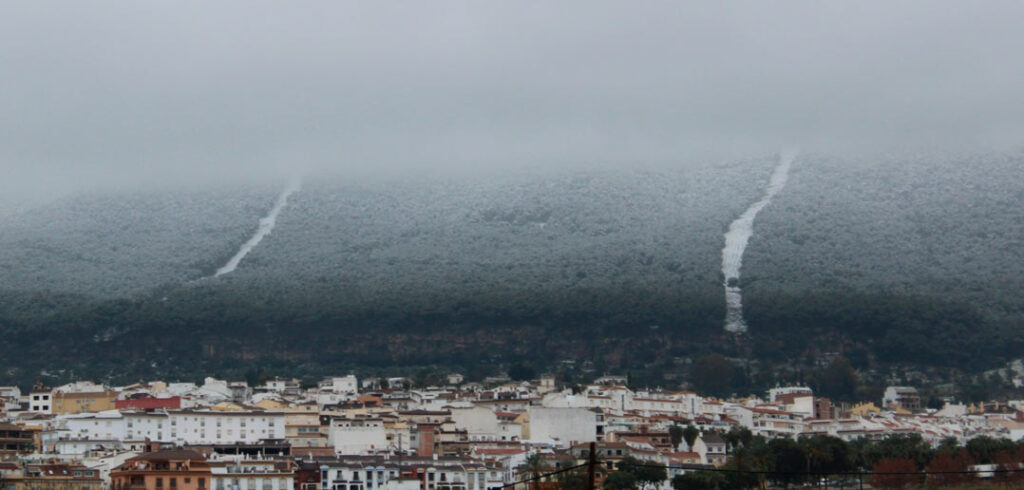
[676, 434]
[534, 466]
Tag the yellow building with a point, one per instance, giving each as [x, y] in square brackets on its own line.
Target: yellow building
[80, 402]
[228, 407]
[864, 409]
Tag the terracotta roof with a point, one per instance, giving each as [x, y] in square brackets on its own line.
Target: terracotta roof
[684, 455]
[495, 451]
[169, 454]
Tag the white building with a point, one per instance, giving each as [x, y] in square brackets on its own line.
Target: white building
[684, 403]
[248, 474]
[483, 424]
[769, 422]
[802, 404]
[284, 386]
[178, 426]
[564, 426]
[358, 436]
[905, 397]
[774, 393]
[40, 401]
[212, 427]
[100, 426]
[363, 473]
[12, 392]
[340, 384]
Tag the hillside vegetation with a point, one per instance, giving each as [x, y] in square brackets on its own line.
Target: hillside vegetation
[912, 260]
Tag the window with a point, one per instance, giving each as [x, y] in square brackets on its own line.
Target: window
[174, 482]
[202, 482]
[188, 480]
[159, 482]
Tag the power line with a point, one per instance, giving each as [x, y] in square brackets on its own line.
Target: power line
[861, 474]
[542, 476]
[837, 473]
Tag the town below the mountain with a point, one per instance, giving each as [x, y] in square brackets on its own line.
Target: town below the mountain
[344, 433]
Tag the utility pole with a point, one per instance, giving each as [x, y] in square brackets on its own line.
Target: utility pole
[591, 463]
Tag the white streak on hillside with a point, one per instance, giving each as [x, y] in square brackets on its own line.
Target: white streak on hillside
[266, 226]
[736, 240]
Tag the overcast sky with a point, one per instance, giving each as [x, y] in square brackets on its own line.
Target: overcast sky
[100, 93]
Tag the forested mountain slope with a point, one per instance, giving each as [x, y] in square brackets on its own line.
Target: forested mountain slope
[617, 266]
[922, 255]
[127, 243]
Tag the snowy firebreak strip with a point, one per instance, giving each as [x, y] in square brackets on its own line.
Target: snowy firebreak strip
[266, 226]
[736, 240]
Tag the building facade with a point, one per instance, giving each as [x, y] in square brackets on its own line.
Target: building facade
[175, 469]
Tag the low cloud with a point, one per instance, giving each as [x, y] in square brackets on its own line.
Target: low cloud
[116, 94]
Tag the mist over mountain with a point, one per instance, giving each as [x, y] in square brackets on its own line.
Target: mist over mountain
[911, 259]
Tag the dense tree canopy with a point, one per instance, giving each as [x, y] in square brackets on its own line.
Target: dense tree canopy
[617, 267]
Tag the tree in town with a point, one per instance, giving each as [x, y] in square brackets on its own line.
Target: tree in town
[675, 434]
[826, 454]
[895, 473]
[946, 467]
[1011, 465]
[699, 480]
[573, 480]
[690, 434]
[521, 372]
[984, 448]
[788, 461]
[899, 446]
[712, 374]
[620, 480]
[738, 436]
[534, 466]
[645, 473]
[948, 444]
[838, 381]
